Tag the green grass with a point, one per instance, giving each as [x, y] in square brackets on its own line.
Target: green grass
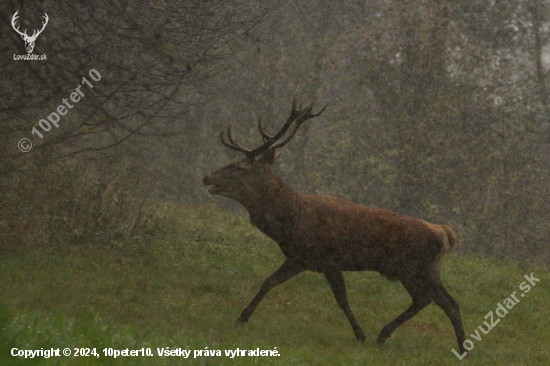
[183, 287]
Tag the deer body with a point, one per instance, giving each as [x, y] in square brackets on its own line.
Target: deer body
[323, 231]
[330, 235]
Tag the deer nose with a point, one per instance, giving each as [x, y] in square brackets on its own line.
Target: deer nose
[206, 180]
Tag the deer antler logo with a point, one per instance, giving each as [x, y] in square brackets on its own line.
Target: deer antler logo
[29, 40]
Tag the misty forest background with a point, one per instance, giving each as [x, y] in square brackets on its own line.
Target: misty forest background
[438, 109]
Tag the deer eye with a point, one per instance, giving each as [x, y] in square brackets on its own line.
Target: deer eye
[239, 170]
[235, 169]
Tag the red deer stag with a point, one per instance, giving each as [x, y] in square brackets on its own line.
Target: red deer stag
[329, 235]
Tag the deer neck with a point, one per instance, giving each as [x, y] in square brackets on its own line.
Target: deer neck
[274, 201]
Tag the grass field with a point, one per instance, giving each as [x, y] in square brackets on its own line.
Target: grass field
[184, 286]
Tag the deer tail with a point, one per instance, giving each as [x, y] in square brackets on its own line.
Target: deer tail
[451, 237]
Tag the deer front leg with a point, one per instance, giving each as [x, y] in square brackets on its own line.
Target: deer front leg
[336, 281]
[287, 270]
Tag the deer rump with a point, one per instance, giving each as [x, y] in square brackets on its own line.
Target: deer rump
[331, 232]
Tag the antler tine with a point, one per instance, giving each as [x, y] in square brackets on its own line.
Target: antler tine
[46, 18]
[230, 136]
[303, 117]
[294, 98]
[309, 106]
[14, 19]
[307, 110]
[265, 136]
[37, 32]
[13, 25]
[319, 113]
[233, 147]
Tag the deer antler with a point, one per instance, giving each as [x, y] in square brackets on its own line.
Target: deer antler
[13, 20]
[24, 34]
[37, 32]
[297, 117]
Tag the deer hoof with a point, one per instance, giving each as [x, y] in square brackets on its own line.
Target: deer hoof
[240, 322]
[361, 338]
[382, 339]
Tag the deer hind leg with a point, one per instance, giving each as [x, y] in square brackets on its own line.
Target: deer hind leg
[420, 300]
[336, 281]
[445, 301]
[287, 270]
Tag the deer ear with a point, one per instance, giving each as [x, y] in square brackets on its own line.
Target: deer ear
[269, 157]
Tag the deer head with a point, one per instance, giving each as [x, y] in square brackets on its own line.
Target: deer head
[29, 40]
[247, 179]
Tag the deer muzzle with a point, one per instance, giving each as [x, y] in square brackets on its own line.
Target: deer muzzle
[209, 181]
